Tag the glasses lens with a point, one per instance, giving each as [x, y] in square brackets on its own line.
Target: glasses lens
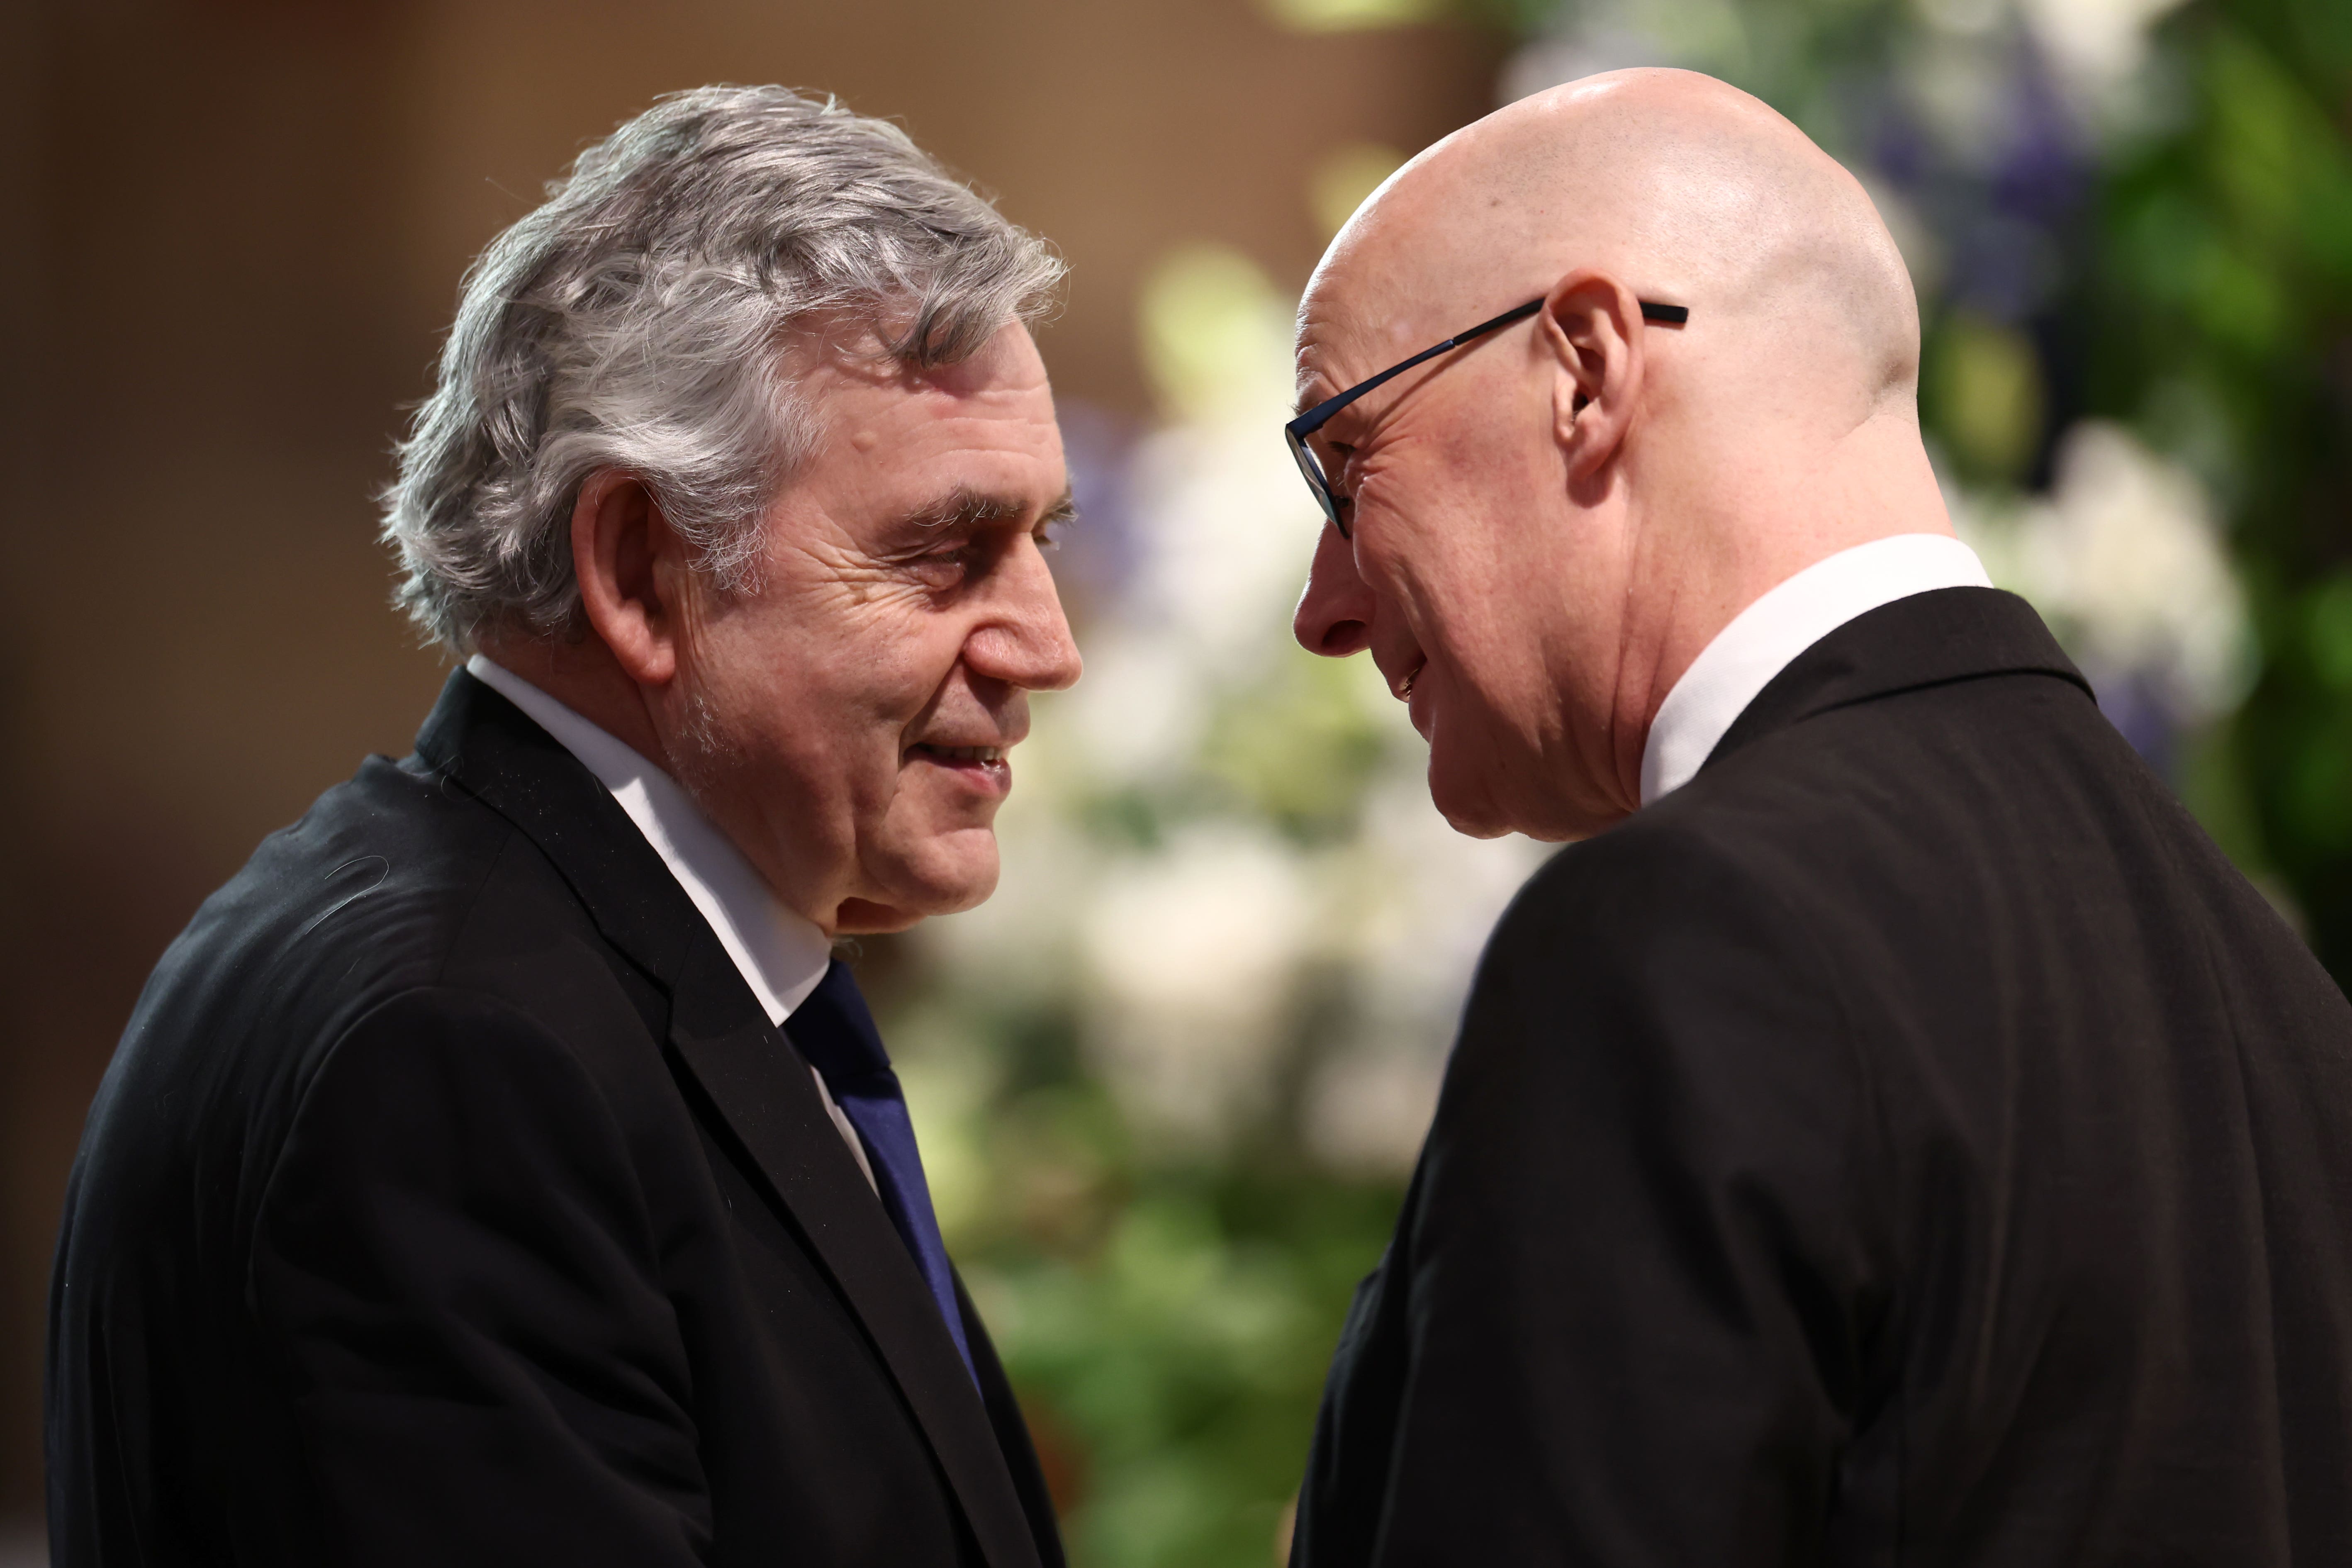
[1312, 472]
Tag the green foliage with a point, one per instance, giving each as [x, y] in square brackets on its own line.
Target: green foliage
[2224, 282]
[1167, 1319]
[1184, 1355]
[1980, 389]
[1298, 750]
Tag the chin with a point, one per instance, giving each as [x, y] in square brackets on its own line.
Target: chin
[943, 876]
[1462, 787]
[1469, 811]
[1466, 791]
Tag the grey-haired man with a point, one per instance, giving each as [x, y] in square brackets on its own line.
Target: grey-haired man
[499, 1169]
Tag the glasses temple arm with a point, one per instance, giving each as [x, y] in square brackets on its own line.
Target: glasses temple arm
[1315, 418]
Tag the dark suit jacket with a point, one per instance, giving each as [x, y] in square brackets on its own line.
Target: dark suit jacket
[451, 1200]
[1911, 1142]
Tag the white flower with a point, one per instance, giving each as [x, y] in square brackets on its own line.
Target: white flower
[1193, 955]
[1139, 712]
[2096, 44]
[2125, 558]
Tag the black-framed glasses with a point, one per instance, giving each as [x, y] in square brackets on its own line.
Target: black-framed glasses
[1315, 418]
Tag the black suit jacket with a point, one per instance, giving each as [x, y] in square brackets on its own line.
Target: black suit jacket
[451, 1200]
[1911, 1142]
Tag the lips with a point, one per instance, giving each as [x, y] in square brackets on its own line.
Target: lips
[1403, 687]
[979, 768]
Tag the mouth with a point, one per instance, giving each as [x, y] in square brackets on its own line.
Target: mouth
[982, 767]
[1406, 689]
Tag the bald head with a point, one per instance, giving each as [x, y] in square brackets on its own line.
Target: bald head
[1548, 522]
[1692, 191]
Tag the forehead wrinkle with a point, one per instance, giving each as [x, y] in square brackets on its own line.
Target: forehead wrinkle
[1383, 295]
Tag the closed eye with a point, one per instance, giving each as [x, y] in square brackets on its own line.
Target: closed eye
[970, 533]
[945, 568]
[1056, 524]
[1336, 455]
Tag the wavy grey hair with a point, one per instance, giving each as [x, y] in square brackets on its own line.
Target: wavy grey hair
[639, 321]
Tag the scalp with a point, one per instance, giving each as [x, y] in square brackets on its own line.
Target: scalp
[1687, 188]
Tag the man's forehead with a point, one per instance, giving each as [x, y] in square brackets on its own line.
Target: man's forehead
[1358, 318]
[859, 365]
[911, 405]
[1409, 271]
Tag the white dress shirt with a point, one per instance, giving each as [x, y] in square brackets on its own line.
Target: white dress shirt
[1763, 639]
[780, 953]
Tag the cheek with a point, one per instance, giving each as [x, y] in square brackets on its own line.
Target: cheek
[1440, 547]
[826, 713]
[838, 658]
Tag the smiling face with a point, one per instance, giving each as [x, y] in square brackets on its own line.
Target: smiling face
[1551, 522]
[1486, 589]
[846, 720]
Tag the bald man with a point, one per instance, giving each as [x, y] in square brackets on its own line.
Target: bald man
[1895, 1133]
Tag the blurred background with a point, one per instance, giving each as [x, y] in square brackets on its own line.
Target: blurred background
[232, 234]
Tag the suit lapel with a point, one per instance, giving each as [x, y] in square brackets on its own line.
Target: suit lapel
[768, 1101]
[482, 745]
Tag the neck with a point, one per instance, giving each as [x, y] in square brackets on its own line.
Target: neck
[585, 678]
[1743, 527]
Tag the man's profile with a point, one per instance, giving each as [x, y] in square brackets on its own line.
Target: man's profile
[1896, 1132]
[500, 1168]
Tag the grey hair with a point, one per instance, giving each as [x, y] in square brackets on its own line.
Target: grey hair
[639, 321]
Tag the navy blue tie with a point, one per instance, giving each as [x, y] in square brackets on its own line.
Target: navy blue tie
[836, 1034]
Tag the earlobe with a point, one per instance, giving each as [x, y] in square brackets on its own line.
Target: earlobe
[619, 541]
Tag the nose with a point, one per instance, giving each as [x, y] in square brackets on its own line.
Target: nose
[1027, 642]
[1335, 613]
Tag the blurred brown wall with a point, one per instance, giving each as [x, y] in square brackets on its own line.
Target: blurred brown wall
[232, 233]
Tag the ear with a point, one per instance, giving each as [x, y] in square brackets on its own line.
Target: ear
[632, 568]
[1594, 325]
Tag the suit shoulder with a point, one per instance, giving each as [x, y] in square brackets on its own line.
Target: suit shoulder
[380, 886]
[389, 884]
[1657, 877]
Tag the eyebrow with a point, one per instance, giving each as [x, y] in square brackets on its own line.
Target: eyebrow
[1319, 389]
[962, 508]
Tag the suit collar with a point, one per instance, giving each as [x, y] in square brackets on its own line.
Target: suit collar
[1766, 637]
[480, 743]
[1926, 639]
[780, 952]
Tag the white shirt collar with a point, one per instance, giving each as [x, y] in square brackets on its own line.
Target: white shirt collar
[1763, 639]
[780, 952]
